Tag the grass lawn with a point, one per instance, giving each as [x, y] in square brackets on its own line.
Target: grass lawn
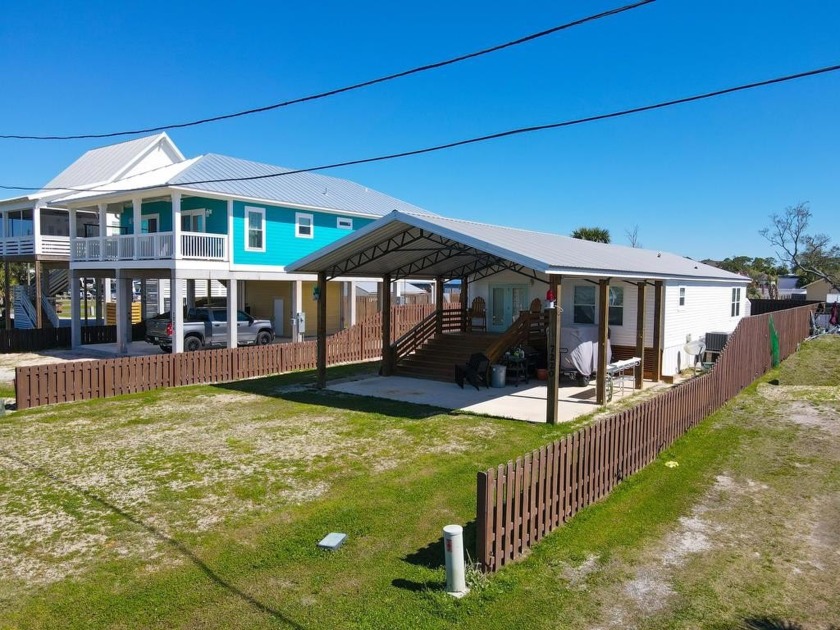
[201, 507]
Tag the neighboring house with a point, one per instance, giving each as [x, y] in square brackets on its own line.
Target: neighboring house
[789, 288]
[509, 268]
[35, 228]
[821, 290]
[170, 219]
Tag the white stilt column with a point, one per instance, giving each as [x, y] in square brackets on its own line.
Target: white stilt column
[75, 311]
[232, 303]
[123, 310]
[176, 304]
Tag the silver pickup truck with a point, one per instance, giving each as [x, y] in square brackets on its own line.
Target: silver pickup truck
[205, 327]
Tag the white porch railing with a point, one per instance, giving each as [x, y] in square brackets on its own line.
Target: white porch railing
[204, 246]
[25, 246]
[18, 246]
[156, 246]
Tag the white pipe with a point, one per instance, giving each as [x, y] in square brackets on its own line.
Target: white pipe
[453, 543]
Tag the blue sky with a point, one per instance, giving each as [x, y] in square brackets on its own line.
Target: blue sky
[698, 179]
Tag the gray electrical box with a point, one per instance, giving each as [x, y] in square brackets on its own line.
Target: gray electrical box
[301, 322]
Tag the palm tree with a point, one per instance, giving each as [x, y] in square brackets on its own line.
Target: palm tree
[599, 235]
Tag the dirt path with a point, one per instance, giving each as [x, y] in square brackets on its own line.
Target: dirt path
[763, 544]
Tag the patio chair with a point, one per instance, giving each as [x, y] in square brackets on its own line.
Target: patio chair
[476, 371]
[477, 315]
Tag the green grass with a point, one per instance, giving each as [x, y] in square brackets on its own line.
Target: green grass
[393, 475]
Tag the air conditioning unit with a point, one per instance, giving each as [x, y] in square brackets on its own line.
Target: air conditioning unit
[715, 341]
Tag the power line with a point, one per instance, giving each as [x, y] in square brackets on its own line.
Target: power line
[493, 136]
[349, 88]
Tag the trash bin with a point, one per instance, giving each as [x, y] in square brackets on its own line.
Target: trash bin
[498, 375]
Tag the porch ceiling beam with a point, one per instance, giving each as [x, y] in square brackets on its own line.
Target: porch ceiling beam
[475, 266]
[375, 252]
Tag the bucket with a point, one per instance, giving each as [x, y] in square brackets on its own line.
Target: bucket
[498, 374]
[542, 374]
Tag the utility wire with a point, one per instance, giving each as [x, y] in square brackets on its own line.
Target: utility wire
[349, 88]
[494, 136]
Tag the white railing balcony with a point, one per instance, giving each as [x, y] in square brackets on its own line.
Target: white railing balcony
[18, 245]
[28, 245]
[204, 246]
[155, 246]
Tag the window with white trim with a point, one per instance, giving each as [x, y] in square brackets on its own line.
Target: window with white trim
[584, 305]
[682, 297]
[344, 223]
[254, 229]
[616, 299]
[735, 309]
[304, 225]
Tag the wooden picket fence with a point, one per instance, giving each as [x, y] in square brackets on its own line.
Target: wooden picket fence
[84, 380]
[522, 501]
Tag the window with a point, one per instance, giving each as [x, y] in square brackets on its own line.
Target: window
[192, 220]
[303, 225]
[343, 223]
[254, 229]
[682, 296]
[584, 306]
[616, 306]
[735, 309]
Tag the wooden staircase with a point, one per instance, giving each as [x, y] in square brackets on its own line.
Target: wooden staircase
[437, 358]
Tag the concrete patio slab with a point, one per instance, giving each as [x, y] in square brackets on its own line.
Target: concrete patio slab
[523, 402]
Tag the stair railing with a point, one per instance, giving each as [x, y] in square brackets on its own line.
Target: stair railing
[447, 320]
[518, 333]
[24, 311]
[49, 311]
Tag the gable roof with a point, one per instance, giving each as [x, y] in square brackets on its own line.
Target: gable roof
[306, 190]
[424, 246]
[300, 189]
[106, 164]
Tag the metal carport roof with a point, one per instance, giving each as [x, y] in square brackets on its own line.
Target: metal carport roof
[425, 246]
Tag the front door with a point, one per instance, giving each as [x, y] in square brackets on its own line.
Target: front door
[506, 301]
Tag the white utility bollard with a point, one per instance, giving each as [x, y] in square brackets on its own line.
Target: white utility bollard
[453, 544]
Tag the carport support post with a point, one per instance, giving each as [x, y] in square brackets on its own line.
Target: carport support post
[439, 305]
[640, 332]
[321, 361]
[464, 300]
[658, 298]
[39, 317]
[552, 410]
[387, 368]
[603, 331]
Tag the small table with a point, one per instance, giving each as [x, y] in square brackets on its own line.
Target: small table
[517, 370]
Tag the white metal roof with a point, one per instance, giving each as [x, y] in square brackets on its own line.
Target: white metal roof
[299, 189]
[424, 246]
[156, 178]
[105, 164]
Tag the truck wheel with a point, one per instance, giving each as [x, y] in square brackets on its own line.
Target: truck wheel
[582, 381]
[166, 349]
[191, 344]
[263, 338]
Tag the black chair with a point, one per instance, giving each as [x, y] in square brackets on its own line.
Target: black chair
[476, 372]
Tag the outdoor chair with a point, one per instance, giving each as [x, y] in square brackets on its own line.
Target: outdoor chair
[476, 372]
[477, 315]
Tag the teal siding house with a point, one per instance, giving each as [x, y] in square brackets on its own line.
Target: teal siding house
[222, 221]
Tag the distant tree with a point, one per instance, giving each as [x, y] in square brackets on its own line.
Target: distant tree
[633, 236]
[812, 255]
[761, 271]
[599, 235]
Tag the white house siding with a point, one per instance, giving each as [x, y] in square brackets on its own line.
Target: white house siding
[707, 309]
[624, 335]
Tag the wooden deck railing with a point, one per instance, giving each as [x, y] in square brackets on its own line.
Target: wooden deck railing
[522, 501]
[451, 319]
